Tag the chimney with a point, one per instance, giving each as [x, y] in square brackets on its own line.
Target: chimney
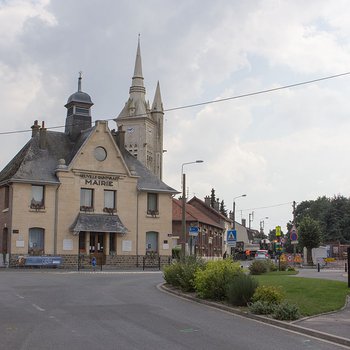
[42, 135]
[35, 128]
[120, 137]
[207, 200]
[244, 223]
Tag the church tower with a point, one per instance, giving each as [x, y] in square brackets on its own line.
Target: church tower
[143, 125]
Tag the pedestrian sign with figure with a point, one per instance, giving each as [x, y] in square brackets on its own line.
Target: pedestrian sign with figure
[231, 237]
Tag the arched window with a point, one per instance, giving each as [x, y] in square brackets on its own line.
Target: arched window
[36, 241]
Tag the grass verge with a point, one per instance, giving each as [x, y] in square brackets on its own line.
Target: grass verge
[313, 296]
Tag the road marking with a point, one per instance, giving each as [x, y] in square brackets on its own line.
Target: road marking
[19, 296]
[38, 307]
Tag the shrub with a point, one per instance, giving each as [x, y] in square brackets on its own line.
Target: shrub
[211, 282]
[290, 268]
[240, 289]
[268, 294]
[270, 265]
[283, 265]
[172, 273]
[286, 312]
[257, 267]
[181, 273]
[261, 308]
[175, 253]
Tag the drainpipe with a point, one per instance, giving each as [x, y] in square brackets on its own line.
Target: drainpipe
[55, 221]
[137, 229]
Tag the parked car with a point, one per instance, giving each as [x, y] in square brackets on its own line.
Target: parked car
[262, 255]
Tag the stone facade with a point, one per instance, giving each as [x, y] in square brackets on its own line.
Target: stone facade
[81, 192]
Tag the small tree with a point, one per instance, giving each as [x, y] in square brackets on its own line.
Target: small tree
[223, 210]
[309, 236]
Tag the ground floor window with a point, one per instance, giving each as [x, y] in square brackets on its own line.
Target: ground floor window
[151, 242]
[36, 241]
[112, 243]
[82, 245]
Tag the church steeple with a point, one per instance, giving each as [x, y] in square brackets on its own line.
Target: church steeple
[137, 79]
[143, 124]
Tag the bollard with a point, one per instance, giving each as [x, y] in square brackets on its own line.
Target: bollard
[318, 267]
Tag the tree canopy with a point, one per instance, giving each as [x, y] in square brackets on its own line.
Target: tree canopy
[332, 215]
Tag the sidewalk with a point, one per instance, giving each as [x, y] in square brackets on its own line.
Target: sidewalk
[335, 323]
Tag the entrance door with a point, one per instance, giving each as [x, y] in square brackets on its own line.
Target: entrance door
[96, 242]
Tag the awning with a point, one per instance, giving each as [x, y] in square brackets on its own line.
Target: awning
[97, 223]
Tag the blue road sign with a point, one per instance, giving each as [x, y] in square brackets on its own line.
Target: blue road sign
[193, 231]
[231, 236]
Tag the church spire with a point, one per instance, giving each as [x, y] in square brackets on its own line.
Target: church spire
[137, 79]
[157, 105]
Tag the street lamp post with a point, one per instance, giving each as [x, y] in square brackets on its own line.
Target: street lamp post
[234, 210]
[183, 176]
[262, 223]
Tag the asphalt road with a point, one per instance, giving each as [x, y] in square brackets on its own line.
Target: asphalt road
[114, 310]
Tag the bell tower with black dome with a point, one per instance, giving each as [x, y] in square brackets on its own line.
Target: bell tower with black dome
[78, 112]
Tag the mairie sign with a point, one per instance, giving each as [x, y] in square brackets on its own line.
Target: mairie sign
[231, 236]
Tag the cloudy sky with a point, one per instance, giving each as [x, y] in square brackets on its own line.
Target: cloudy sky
[277, 147]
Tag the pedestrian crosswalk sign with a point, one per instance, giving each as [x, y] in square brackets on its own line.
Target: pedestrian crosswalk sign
[231, 236]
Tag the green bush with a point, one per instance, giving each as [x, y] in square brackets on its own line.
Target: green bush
[175, 253]
[181, 273]
[283, 265]
[240, 289]
[286, 312]
[172, 273]
[257, 267]
[268, 294]
[270, 265]
[211, 282]
[290, 268]
[262, 308]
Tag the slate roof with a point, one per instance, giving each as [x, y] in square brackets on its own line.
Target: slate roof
[192, 214]
[147, 181]
[98, 223]
[35, 165]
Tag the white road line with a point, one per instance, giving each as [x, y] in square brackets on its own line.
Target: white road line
[38, 307]
[19, 296]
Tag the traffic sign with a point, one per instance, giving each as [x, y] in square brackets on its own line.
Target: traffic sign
[231, 238]
[278, 231]
[193, 231]
[293, 234]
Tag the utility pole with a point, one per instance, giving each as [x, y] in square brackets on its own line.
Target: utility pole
[294, 225]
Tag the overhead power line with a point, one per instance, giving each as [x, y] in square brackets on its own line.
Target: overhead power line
[212, 101]
[267, 207]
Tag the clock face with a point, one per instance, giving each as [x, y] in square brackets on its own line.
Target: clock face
[100, 153]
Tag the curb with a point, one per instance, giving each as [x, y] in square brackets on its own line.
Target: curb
[277, 323]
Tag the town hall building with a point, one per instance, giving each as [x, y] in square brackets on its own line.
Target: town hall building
[90, 191]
